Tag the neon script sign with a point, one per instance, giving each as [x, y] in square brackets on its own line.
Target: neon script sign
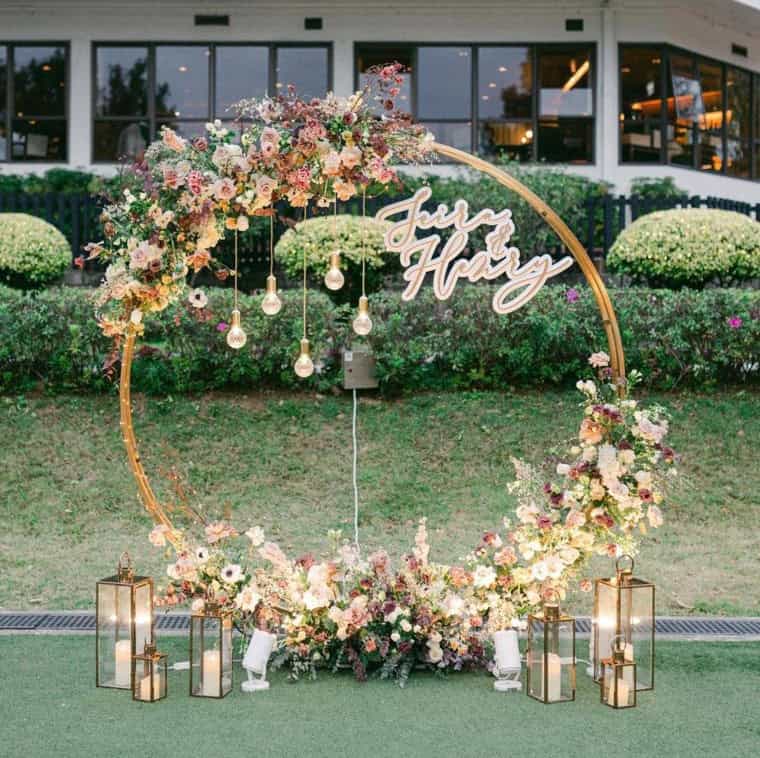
[421, 256]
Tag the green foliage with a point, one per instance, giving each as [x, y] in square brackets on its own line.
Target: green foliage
[54, 180]
[32, 252]
[564, 192]
[674, 338]
[656, 188]
[317, 238]
[688, 248]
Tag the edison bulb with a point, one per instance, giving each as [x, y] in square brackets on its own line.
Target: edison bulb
[271, 304]
[334, 277]
[363, 323]
[304, 367]
[236, 337]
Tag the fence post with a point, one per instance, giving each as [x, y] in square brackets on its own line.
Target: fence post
[591, 205]
[607, 207]
[76, 239]
[621, 213]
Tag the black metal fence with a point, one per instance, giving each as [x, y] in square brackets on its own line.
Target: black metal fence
[76, 215]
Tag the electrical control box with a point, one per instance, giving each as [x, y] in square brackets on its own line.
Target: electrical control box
[359, 370]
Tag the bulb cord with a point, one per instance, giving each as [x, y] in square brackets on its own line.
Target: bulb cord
[235, 296]
[354, 473]
[364, 245]
[304, 280]
[271, 243]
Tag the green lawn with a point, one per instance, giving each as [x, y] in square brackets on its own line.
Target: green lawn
[705, 704]
[69, 504]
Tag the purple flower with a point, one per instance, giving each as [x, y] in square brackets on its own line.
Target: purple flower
[572, 295]
[735, 322]
[222, 326]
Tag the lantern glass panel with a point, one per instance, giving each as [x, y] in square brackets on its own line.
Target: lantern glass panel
[211, 655]
[605, 626]
[114, 628]
[150, 678]
[143, 615]
[618, 686]
[551, 659]
[637, 626]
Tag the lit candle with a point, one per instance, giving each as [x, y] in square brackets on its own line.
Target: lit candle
[211, 674]
[145, 687]
[123, 655]
[554, 671]
[623, 692]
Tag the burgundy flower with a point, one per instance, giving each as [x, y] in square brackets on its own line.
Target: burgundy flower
[544, 522]
[645, 495]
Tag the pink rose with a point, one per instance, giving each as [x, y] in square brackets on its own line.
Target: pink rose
[599, 360]
[224, 189]
[195, 182]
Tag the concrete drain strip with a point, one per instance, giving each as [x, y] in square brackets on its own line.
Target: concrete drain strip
[73, 621]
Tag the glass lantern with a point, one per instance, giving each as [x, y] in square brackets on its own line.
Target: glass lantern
[617, 686]
[551, 656]
[150, 675]
[211, 651]
[624, 606]
[124, 624]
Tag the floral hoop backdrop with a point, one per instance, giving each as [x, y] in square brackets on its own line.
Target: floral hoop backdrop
[358, 609]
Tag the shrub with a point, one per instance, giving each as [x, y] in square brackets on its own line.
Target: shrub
[32, 252]
[317, 236]
[656, 188]
[687, 337]
[688, 248]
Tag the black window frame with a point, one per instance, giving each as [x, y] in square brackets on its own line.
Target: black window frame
[666, 51]
[10, 111]
[151, 117]
[535, 48]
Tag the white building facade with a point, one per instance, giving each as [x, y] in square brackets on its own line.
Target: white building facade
[614, 89]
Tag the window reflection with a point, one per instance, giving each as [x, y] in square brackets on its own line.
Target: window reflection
[121, 81]
[377, 56]
[456, 134]
[444, 76]
[38, 140]
[120, 140]
[565, 83]
[182, 74]
[241, 72]
[3, 100]
[738, 122]
[303, 67]
[641, 104]
[39, 81]
[684, 106]
[710, 119]
[565, 140]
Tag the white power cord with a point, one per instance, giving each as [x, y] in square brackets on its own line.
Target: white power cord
[356, 486]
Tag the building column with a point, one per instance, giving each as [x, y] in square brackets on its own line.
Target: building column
[343, 67]
[608, 131]
[80, 103]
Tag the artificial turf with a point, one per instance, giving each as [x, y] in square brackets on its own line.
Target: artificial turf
[707, 703]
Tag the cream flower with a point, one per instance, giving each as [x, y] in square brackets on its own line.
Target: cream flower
[248, 599]
[197, 298]
[483, 576]
[232, 573]
[255, 535]
[599, 360]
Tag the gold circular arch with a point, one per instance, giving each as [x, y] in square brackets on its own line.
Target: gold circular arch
[594, 280]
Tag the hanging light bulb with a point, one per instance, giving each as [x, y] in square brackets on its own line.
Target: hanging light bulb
[271, 304]
[363, 323]
[334, 278]
[236, 337]
[304, 367]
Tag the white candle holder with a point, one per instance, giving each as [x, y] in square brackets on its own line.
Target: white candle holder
[256, 659]
[507, 665]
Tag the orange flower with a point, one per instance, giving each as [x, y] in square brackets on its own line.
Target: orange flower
[590, 432]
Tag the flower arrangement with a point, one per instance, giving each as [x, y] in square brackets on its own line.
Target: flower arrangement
[364, 613]
[185, 195]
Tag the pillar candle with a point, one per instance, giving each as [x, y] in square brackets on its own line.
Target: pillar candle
[554, 671]
[623, 692]
[145, 687]
[211, 674]
[506, 650]
[123, 655]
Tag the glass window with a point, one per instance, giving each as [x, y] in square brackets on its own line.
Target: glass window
[565, 83]
[565, 140]
[505, 102]
[641, 104]
[684, 109]
[182, 81]
[444, 76]
[38, 140]
[710, 119]
[3, 102]
[241, 72]
[121, 81]
[39, 81]
[122, 139]
[756, 121]
[738, 122]
[306, 68]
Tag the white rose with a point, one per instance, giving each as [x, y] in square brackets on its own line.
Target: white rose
[406, 626]
[395, 636]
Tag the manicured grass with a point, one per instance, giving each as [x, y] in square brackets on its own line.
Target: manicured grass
[69, 504]
[705, 704]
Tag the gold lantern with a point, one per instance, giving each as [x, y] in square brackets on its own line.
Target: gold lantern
[124, 624]
[551, 656]
[624, 606]
[211, 651]
[617, 686]
[150, 675]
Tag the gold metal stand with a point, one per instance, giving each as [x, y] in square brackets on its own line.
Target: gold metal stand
[609, 320]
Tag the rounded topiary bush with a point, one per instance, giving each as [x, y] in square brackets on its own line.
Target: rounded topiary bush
[33, 253]
[688, 248]
[319, 237]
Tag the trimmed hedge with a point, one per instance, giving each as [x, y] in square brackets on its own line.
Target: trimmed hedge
[32, 252]
[674, 338]
[688, 248]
